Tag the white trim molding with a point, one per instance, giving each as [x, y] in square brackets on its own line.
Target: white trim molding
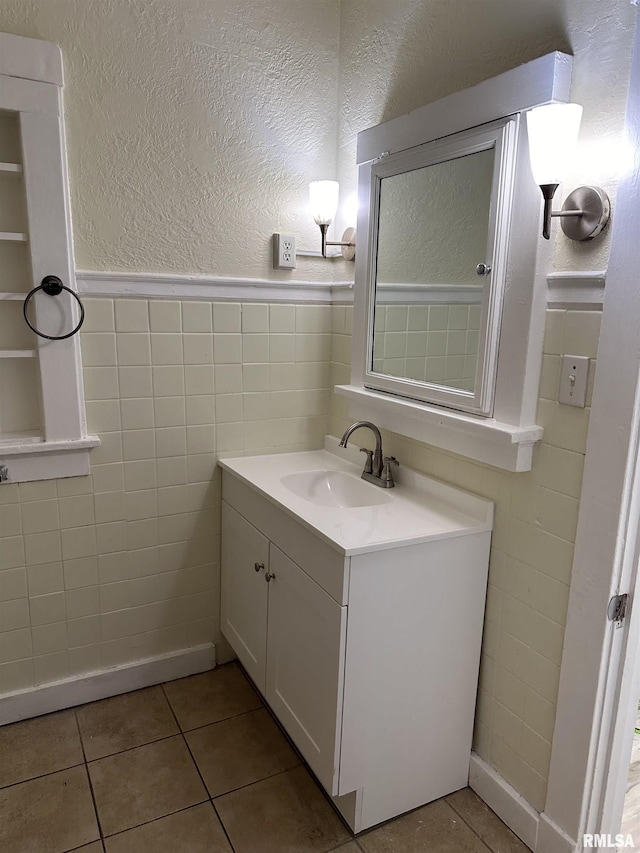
[536, 830]
[587, 759]
[210, 287]
[31, 458]
[577, 290]
[30, 59]
[69, 692]
[485, 439]
[428, 294]
[565, 289]
[504, 800]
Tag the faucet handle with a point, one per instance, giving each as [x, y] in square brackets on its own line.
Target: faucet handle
[387, 476]
[368, 465]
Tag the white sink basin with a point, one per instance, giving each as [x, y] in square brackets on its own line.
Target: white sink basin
[334, 489]
[317, 487]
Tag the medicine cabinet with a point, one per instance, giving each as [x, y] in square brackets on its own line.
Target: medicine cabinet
[450, 291]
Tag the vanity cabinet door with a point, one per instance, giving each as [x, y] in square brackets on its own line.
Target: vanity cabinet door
[305, 665]
[244, 593]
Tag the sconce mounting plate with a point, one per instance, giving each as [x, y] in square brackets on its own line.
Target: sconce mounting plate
[596, 209]
[349, 250]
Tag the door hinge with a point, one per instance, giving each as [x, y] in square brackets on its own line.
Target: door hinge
[617, 609]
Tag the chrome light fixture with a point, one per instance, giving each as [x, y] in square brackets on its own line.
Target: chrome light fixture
[323, 202]
[553, 135]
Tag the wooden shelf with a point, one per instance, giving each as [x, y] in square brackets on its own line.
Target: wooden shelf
[12, 168]
[18, 353]
[12, 237]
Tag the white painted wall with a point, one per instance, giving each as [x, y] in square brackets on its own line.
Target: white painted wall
[193, 127]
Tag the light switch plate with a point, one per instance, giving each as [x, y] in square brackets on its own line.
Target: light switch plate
[573, 380]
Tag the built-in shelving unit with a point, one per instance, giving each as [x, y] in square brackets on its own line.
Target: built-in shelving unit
[21, 418]
[42, 418]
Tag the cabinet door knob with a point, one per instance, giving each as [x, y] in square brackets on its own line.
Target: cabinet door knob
[258, 566]
[269, 576]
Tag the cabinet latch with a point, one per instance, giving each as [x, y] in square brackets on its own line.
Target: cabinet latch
[617, 609]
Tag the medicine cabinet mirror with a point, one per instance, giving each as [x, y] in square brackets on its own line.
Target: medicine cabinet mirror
[439, 215]
[450, 292]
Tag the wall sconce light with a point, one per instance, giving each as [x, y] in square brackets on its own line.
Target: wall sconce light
[553, 135]
[323, 202]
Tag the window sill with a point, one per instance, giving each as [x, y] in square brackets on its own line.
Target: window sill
[31, 458]
[483, 439]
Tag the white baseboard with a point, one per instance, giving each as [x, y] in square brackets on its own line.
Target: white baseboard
[551, 839]
[110, 682]
[505, 801]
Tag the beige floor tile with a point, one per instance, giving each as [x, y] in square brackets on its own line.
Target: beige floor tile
[212, 696]
[435, 828]
[351, 847]
[49, 815]
[123, 722]
[145, 783]
[284, 814]
[94, 847]
[196, 830]
[240, 751]
[485, 822]
[38, 746]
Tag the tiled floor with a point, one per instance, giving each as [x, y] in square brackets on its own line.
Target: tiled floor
[196, 766]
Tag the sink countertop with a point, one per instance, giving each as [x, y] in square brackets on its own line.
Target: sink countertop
[421, 508]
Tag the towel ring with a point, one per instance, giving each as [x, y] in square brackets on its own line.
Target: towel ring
[52, 286]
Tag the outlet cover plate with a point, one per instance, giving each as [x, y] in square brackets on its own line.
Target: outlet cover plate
[573, 380]
[284, 252]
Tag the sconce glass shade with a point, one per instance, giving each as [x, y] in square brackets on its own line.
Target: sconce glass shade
[553, 135]
[323, 201]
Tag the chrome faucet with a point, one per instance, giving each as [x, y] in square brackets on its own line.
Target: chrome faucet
[377, 468]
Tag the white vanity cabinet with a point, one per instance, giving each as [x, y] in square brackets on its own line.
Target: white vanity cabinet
[295, 657]
[367, 655]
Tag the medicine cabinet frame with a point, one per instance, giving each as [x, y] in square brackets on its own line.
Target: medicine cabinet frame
[500, 137]
[505, 433]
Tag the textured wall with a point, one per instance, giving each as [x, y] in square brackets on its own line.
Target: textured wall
[395, 57]
[193, 127]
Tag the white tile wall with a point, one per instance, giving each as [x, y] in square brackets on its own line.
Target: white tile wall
[123, 564]
[102, 570]
[437, 343]
[531, 557]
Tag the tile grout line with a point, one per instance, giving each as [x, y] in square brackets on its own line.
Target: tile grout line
[42, 775]
[86, 767]
[153, 820]
[224, 829]
[466, 823]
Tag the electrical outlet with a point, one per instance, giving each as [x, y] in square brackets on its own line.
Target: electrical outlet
[573, 380]
[284, 252]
